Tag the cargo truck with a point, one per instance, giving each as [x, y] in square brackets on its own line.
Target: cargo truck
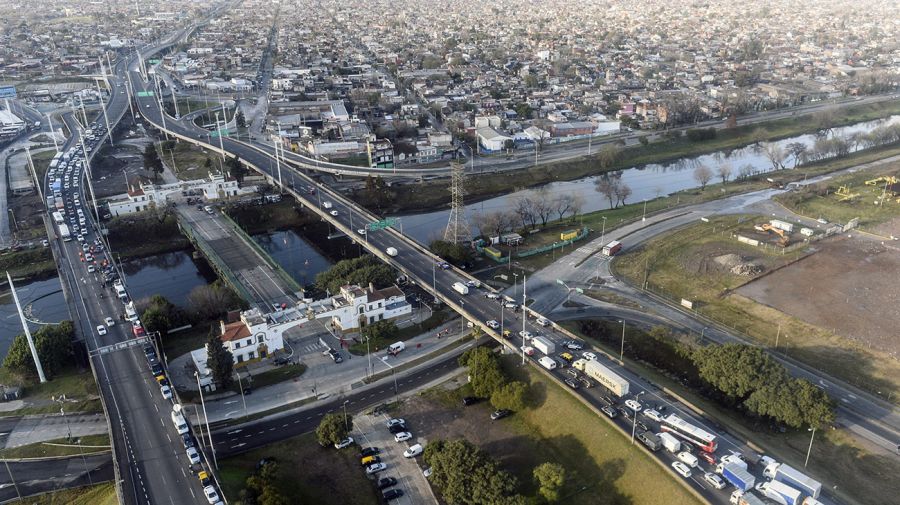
[544, 345]
[612, 248]
[64, 233]
[748, 498]
[461, 288]
[781, 493]
[671, 443]
[606, 377]
[738, 476]
[792, 477]
[650, 440]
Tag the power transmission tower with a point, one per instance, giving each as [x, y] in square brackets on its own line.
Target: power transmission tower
[457, 230]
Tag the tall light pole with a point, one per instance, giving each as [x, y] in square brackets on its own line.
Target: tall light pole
[644, 217]
[808, 451]
[634, 420]
[523, 316]
[622, 350]
[462, 319]
[52, 133]
[208, 432]
[221, 145]
[34, 354]
[241, 387]
[346, 424]
[105, 116]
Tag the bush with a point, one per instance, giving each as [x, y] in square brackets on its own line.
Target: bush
[466, 475]
[701, 134]
[358, 271]
[453, 253]
[54, 348]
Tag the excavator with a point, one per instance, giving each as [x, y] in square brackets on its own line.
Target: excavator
[785, 238]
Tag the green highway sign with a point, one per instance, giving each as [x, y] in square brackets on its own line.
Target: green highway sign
[384, 223]
[224, 131]
[142, 94]
[560, 282]
[153, 62]
[579, 290]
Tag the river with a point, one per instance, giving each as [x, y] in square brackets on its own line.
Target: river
[646, 182]
[295, 254]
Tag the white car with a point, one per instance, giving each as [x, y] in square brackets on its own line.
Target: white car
[101, 330]
[166, 392]
[652, 414]
[361, 231]
[682, 469]
[109, 322]
[375, 468]
[714, 480]
[395, 422]
[494, 325]
[334, 213]
[427, 472]
[344, 443]
[492, 296]
[525, 334]
[91, 269]
[403, 436]
[413, 451]
[588, 355]
[211, 495]
[528, 350]
[633, 405]
[193, 455]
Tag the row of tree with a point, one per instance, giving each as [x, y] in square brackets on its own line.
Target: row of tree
[466, 475]
[261, 488]
[538, 206]
[488, 380]
[54, 348]
[359, 271]
[457, 254]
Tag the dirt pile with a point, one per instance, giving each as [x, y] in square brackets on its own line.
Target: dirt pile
[739, 265]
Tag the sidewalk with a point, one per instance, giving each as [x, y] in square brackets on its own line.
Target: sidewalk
[323, 377]
[31, 430]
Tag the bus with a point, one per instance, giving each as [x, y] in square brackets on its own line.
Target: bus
[687, 431]
[58, 218]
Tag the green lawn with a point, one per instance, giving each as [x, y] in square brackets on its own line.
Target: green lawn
[274, 376]
[59, 447]
[596, 456]
[78, 387]
[835, 460]
[100, 494]
[185, 341]
[308, 473]
[28, 263]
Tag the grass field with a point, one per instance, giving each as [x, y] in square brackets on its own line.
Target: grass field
[836, 460]
[189, 160]
[677, 266]
[59, 447]
[601, 465]
[176, 344]
[308, 473]
[78, 387]
[274, 376]
[101, 494]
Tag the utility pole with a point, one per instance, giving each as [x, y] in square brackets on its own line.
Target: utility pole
[52, 133]
[457, 230]
[34, 354]
[622, 350]
[105, 116]
[208, 432]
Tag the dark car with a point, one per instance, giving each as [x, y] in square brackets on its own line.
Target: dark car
[157, 369]
[500, 414]
[610, 412]
[188, 440]
[470, 400]
[571, 383]
[369, 451]
[392, 494]
[387, 482]
[398, 428]
[335, 356]
[149, 349]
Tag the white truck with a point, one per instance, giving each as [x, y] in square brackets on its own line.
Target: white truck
[781, 493]
[671, 443]
[606, 377]
[792, 477]
[547, 362]
[461, 288]
[544, 345]
[64, 233]
[178, 420]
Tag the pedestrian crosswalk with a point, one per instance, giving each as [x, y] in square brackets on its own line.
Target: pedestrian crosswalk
[312, 347]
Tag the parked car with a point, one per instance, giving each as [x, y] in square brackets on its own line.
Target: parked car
[211, 495]
[633, 405]
[386, 482]
[413, 451]
[369, 451]
[470, 400]
[344, 443]
[500, 414]
[377, 467]
[166, 392]
[392, 494]
[394, 422]
[192, 455]
[397, 428]
[403, 436]
[101, 330]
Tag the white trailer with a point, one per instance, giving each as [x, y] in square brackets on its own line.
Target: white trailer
[671, 443]
[461, 288]
[607, 377]
[544, 345]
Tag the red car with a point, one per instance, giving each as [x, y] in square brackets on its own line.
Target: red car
[708, 457]
[138, 331]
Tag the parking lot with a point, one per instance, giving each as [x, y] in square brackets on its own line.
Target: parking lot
[371, 431]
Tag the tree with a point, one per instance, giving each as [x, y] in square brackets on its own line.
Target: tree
[333, 428]
[510, 396]
[525, 211]
[152, 163]
[702, 174]
[240, 120]
[724, 172]
[210, 301]
[606, 187]
[236, 169]
[563, 203]
[745, 172]
[219, 360]
[158, 314]
[623, 191]
[466, 475]
[485, 373]
[550, 478]
[736, 369]
[207, 165]
[797, 150]
[53, 344]
[609, 155]
[775, 154]
[457, 254]
[357, 271]
[381, 330]
[261, 487]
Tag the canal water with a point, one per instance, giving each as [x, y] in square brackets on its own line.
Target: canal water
[646, 182]
[295, 254]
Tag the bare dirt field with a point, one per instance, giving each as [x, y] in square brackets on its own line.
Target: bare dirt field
[849, 286]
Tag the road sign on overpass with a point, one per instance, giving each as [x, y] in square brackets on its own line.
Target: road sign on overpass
[143, 94]
[222, 131]
[119, 346]
[383, 224]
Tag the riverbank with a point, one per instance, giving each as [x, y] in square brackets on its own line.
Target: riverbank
[145, 234]
[29, 264]
[431, 196]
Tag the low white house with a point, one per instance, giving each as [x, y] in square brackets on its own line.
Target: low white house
[354, 306]
[148, 195]
[490, 140]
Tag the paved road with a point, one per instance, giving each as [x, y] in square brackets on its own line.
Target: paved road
[16, 431]
[28, 478]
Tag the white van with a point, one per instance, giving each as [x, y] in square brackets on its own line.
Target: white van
[688, 459]
[327, 205]
[547, 362]
[396, 347]
[178, 420]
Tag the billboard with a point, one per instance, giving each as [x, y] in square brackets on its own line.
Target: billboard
[7, 91]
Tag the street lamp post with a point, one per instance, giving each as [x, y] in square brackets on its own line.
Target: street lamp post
[241, 387]
[208, 432]
[622, 349]
[808, 451]
[346, 424]
[462, 319]
[644, 217]
[634, 415]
